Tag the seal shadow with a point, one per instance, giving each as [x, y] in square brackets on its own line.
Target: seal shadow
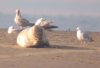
[62, 47]
[70, 47]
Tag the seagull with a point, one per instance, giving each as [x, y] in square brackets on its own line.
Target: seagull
[45, 23]
[83, 36]
[32, 37]
[20, 21]
[12, 30]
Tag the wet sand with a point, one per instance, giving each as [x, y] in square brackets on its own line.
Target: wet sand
[65, 52]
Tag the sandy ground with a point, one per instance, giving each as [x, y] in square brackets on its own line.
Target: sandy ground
[65, 52]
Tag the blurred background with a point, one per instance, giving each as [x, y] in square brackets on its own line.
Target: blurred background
[67, 14]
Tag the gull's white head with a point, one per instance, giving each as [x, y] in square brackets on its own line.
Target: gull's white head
[11, 29]
[39, 21]
[78, 28]
[18, 11]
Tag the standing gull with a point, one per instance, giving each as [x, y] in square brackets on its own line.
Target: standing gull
[20, 21]
[45, 23]
[83, 36]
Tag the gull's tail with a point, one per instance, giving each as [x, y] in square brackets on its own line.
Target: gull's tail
[50, 27]
[31, 24]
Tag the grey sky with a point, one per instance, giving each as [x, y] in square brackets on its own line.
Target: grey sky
[64, 7]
